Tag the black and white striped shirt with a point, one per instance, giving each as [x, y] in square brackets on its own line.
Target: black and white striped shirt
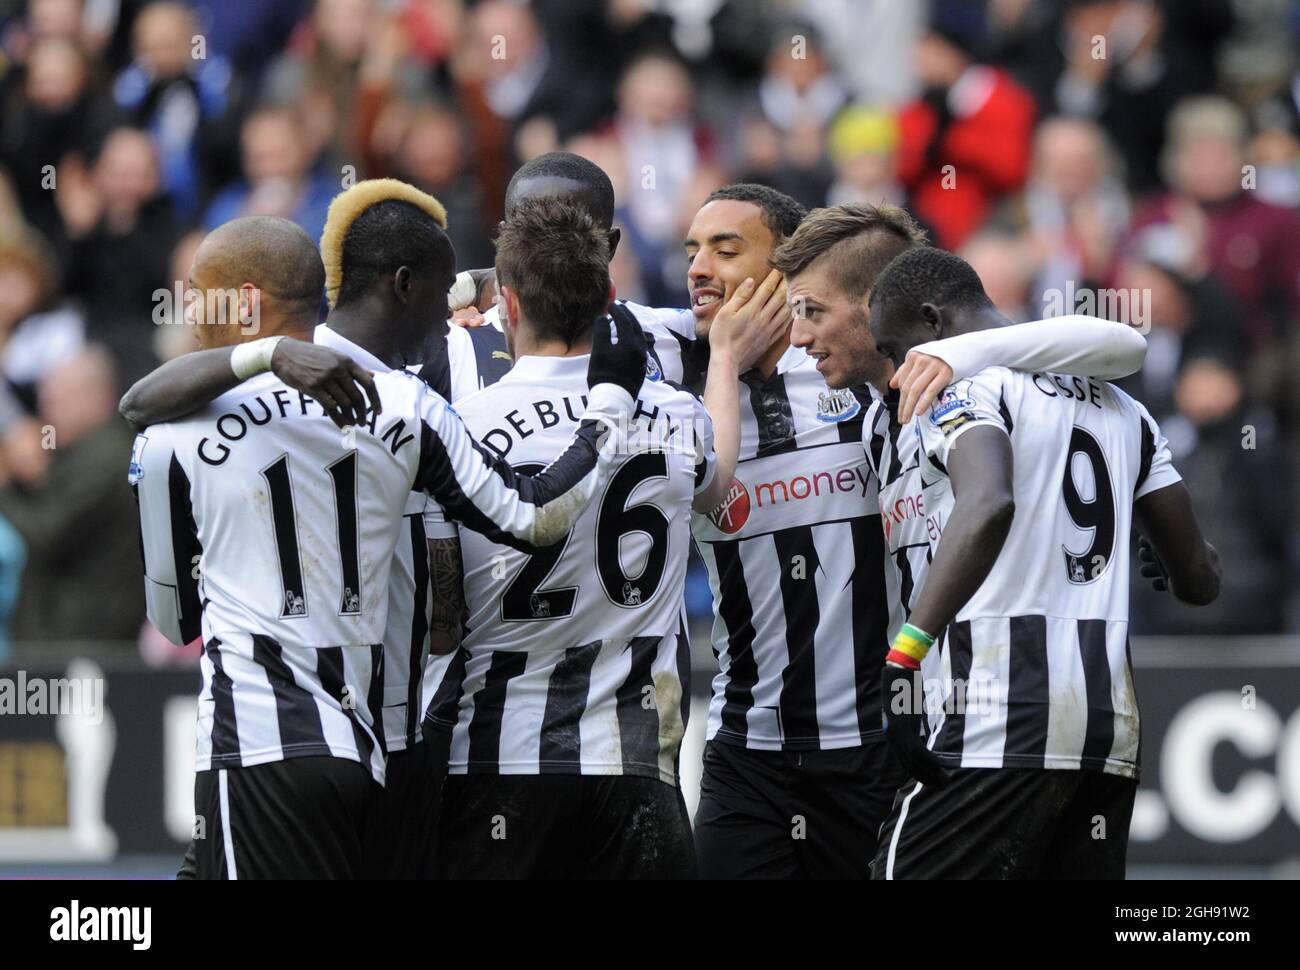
[575, 659]
[477, 358]
[893, 453]
[1075, 344]
[272, 534]
[796, 564]
[406, 636]
[1035, 667]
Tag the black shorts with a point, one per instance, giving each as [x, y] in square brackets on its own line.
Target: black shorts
[189, 869]
[1009, 823]
[563, 827]
[302, 818]
[402, 830]
[791, 814]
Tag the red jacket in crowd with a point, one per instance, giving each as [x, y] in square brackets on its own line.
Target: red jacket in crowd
[986, 140]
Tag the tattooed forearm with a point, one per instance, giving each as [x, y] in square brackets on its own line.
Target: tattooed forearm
[449, 613]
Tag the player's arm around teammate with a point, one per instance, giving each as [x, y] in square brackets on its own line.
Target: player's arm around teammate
[1075, 344]
[182, 386]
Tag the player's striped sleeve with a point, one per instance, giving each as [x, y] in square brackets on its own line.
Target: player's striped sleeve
[1155, 462]
[481, 491]
[169, 544]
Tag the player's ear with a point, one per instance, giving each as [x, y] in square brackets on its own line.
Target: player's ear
[510, 307]
[250, 306]
[402, 284]
[933, 318]
[615, 236]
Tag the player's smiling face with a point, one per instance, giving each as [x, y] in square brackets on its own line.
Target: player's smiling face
[833, 329]
[727, 243]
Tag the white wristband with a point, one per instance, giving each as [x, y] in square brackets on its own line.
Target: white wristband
[253, 358]
[463, 292]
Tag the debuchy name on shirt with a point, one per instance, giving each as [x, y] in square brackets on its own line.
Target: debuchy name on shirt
[649, 427]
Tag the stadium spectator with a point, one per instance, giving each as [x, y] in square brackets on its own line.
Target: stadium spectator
[248, 35]
[1122, 63]
[432, 155]
[123, 229]
[1275, 149]
[50, 114]
[341, 65]
[38, 329]
[1228, 452]
[326, 50]
[278, 177]
[507, 58]
[795, 102]
[869, 42]
[965, 141]
[798, 86]
[1191, 311]
[181, 94]
[78, 519]
[1074, 208]
[863, 146]
[1253, 246]
[1005, 264]
[68, 20]
[665, 162]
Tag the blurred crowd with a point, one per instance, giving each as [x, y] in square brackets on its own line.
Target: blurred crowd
[1142, 154]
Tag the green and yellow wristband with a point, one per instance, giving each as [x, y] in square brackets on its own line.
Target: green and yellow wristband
[910, 647]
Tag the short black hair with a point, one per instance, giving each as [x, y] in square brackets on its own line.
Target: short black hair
[384, 238]
[928, 275]
[781, 214]
[595, 197]
[555, 257]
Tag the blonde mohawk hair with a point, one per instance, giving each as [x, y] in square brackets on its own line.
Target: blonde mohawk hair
[348, 206]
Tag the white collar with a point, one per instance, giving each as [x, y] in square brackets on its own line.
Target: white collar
[545, 369]
[792, 358]
[335, 340]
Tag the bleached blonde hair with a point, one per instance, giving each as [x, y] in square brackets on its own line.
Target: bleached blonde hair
[348, 206]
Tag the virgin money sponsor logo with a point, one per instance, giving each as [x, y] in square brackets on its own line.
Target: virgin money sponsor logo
[730, 517]
[904, 509]
[813, 485]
